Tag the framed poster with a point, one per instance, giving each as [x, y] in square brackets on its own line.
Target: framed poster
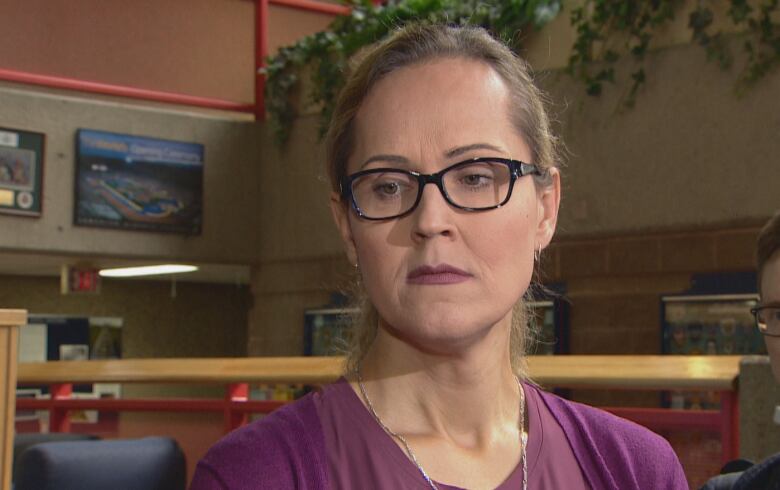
[138, 183]
[21, 172]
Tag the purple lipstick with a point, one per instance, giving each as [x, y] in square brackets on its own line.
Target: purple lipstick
[440, 274]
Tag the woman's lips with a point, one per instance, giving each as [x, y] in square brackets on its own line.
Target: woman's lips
[440, 274]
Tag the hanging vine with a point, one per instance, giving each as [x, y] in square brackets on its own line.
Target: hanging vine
[605, 31]
[323, 56]
[606, 28]
[598, 23]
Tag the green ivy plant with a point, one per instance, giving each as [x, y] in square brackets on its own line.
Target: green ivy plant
[597, 22]
[761, 44]
[606, 30]
[323, 56]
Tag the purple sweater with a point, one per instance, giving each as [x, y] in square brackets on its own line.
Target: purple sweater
[286, 450]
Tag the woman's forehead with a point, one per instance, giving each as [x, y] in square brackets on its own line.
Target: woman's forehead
[425, 109]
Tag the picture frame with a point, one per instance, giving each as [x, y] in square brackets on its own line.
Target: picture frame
[21, 172]
[138, 183]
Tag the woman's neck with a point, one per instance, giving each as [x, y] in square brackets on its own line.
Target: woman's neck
[468, 398]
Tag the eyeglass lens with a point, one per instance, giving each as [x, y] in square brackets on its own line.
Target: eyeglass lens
[768, 319]
[392, 193]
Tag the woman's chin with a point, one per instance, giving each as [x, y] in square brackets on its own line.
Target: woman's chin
[437, 335]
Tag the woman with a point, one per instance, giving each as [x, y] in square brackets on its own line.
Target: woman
[435, 393]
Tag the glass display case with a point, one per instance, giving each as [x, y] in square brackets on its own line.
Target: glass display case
[326, 329]
[708, 324]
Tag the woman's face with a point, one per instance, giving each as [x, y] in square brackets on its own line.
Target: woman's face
[440, 276]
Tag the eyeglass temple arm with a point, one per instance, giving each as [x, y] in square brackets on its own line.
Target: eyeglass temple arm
[527, 168]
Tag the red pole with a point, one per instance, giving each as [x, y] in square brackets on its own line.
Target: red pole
[236, 392]
[261, 53]
[59, 420]
[729, 425]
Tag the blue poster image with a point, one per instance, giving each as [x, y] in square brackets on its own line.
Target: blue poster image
[138, 183]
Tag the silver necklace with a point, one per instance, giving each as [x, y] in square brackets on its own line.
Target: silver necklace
[410, 453]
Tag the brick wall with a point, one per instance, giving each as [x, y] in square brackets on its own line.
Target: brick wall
[615, 283]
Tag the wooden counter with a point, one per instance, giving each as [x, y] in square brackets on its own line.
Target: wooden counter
[711, 373]
[10, 321]
[599, 372]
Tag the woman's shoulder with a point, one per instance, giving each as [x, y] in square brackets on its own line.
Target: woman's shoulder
[614, 451]
[284, 449]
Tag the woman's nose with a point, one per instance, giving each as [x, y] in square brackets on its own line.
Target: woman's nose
[433, 215]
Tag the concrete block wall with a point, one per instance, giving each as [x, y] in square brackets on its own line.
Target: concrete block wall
[759, 394]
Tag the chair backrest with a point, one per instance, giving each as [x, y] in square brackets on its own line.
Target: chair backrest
[26, 440]
[151, 463]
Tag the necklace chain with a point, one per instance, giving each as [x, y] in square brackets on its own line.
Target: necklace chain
[410, 453]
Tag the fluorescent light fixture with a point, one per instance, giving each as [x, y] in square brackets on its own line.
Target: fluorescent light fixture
[148, 270]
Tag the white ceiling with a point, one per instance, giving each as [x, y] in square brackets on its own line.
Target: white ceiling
[21, 264]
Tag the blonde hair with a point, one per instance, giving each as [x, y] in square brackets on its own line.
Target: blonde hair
[417, 43]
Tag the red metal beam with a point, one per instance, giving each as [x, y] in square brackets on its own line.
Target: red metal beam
[149, 405]
[261, 53]
[236, 405]
[314, 6]
[121, 91]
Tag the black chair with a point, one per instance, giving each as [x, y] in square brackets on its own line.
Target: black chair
[729, 474]
[25, 440]
[151, 463]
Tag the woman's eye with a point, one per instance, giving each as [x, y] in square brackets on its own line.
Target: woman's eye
[475, 180]
[388, 188]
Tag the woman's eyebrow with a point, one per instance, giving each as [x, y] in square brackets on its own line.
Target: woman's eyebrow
[460, 150]
[451, 153]
[386, 158]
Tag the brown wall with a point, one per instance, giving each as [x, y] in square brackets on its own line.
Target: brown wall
[690, 154]
[287, 25]
[195, 47]
[203, 320]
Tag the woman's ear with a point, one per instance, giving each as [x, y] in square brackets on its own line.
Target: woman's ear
[549, 199]
[340, 213]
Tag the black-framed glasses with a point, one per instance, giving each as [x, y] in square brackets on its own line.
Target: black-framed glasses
[478, 184]
[767, 319]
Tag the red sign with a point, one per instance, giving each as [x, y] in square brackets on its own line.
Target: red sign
[77, 280]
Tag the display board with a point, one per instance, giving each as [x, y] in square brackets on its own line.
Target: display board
[138, 183]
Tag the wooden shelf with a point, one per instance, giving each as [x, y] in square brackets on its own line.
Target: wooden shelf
[14, 318]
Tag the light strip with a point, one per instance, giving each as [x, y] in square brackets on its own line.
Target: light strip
[148, 270]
